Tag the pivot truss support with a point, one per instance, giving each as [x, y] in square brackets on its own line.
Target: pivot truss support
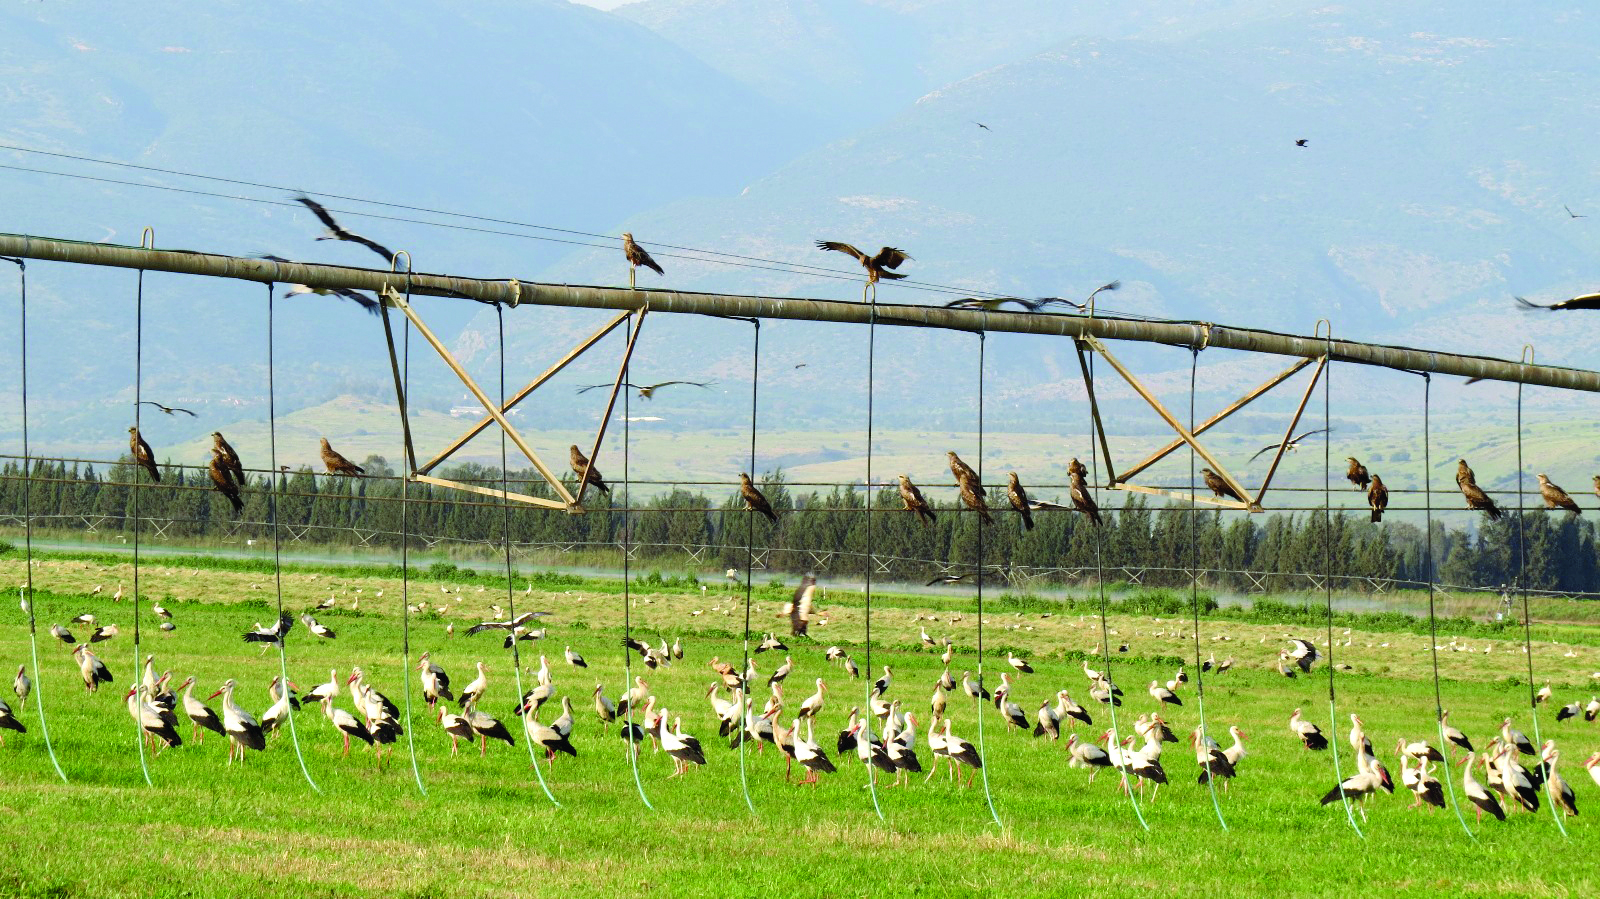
[497, 413]
[1124, 480]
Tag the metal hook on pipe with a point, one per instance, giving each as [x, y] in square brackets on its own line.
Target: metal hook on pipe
[147, 238]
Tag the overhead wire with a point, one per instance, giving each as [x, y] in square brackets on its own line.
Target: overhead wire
[28, 597]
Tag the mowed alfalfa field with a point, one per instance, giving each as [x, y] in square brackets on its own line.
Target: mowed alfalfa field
[485, 827]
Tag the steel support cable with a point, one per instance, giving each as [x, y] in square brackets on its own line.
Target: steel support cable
[1527, 618]
[27, 518]
[1433, 621]
[511, 599]
[627, 580]
[1194, 600]
[1114, 747]
[405, 534]
[872, 359]
[277, 537]
[750, 554]
[138, 384]
[1327, 573]
[983, 752]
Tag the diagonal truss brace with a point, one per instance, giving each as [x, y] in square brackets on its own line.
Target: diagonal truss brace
[496, 413]
[1121, 481]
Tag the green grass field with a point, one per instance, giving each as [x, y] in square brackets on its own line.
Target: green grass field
[486, 828]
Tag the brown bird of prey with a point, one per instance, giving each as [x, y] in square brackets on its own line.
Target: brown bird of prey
[580, 462]
[637, 256]
[337, 231]
[878, 267]
[1555, 497]
[1083, 500]
[912, 498]
[222, 480]
[338, 464]
[1597, 485]
[1587, 301]
[142, 456]
[972, 492]
[1477, 500]
[1075, 469]
[1019, 500]
[1357, 473]
[754, 500]
[1377, 498]
[167, 409]
[1218, 486]
[230, 459]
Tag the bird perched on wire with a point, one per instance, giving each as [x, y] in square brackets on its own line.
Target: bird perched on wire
[648, 391]
[637, 256]
[344, 293]
[911, 497]
[1288, 445]
[1587, 301]
[878, 266]
[337, 231]
[1218, 486]
[1477, 500]
[142, 455]
[338, 464]
[1377, 498]
[1019, 500]
[754, 499]
[222, 481]
[580, 464]
[1083, 499]
[230, 459]
[1555, 497]
[167, 409]
[1357, 473]
[972, 492]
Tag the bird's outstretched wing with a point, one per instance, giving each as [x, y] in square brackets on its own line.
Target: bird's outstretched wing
[844, 248]
[1587, 301]
[340, 232]
[1571, 213]
[169, 409]
[890, 257]
[706, 384]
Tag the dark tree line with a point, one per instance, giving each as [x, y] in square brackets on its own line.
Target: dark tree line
[824, 530]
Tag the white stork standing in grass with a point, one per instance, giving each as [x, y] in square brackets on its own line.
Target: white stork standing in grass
[22, 686]
[604, 708]
[317, 627]
[1068, 710]
[8, 721]
[881, 685]
[937, 749]
[1481, 799]
[1310, 735]
[1516, 739]
[1419, 751]
[152, 723]
[199, 713]
[243, 731]
[1220, 763]
[93, 671]
[575, 660]
[1555, 785]
[347, 724]
[1517, 781]
[809, 754]
[684, 749]
[472, 692]
[324, 693]
[545, 737]
[435, 682]
[1021, 666]
[1357, 787]
[1424, 786]
[274, 716]
[901, 749]
[1086, 755]
[959, 750]
[1162, 694]
[486, 726]
[458, 727]
[812, 706]
[1451, 734]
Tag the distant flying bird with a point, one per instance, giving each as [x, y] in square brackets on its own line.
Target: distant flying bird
[1083, 500]
[636, 257]
[1377, 498]
[754, 499]
[222, 480]
[339, 232]
[1218, 486]
[1019, 500]
[1571, 214]
[365, 301]
[878, 266]
[912, 498]
[1357, 473]
[338, 464]
[230, 459]
[947, 579]
[1301, 142]
[1289, 447]
[995, 305]
[1555, 497]
[972, 492]
[1587, 301]
[648, 391]
[167, 409]
[1477, 500]
[581, 462]
[983, 126]
[142, 455]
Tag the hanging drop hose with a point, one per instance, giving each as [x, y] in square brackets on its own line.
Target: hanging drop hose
[1433, 621]
[1522, 587]
[627, 595]
[750, 551]
[1194, 598]
[138, 384]
[1327, 573]
[983, 752]
[872, 358]
[277, 541]
[511, 600]
[27, 522]
[1100, 582]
